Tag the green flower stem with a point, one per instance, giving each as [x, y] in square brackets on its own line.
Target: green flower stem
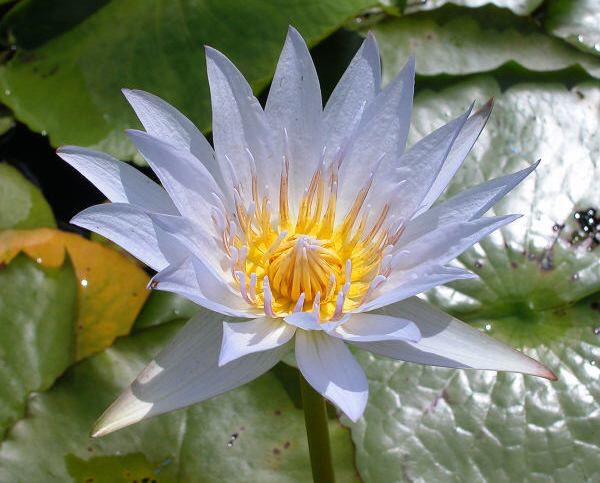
[317, 432]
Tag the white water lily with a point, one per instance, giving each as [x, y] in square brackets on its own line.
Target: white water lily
[316, 224]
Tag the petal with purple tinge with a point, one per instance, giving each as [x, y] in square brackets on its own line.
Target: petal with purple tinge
[195, 280]
[376, 327]
[160, 119]
[118, 181]
[241, 132]
[185, 178]
[294, 104]
[131, 228]
[465, 206]
[461, 147]
[185, 373]
[357, 88]
[448, 342]
[331, 369]
[241, 338]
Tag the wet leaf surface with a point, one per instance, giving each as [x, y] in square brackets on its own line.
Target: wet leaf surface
[37, 314]
[537, 291]
[576, 22]
[65, 80]
[520, 7]
[254, 432]
[22, 205]
[459, 41]
[111, 288]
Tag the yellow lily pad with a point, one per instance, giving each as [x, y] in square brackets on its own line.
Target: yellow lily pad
[111, 287]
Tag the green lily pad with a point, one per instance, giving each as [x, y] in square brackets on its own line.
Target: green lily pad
[253, 433]
[37, 312]
[541, 261]
[22, 205]
[162, 308]
[537, 291]
[65, 80]
[576, 22]
[520, 7]
[459, 41]
[430, 424]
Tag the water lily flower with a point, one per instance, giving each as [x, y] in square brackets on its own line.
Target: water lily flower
[305, 228]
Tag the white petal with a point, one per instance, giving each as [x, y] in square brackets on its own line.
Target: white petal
[118, 181]
[239, 124]
[461, 147]
[382, 131]
[402, 285]
[446, 243]
[186, 179]
[418, 167]
[310, 321]
[242, 338]
[331, 369]
[163, 121]
[449, 342]
[184, 373]
[465, 206]
[198, 242]
[132, 229]
[358, 86]
[374, 327]
[304, 320]
[196, 281]
[294, 104]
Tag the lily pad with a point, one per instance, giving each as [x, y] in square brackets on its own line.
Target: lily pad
[111, 288]
[253, 432]
[66, 81]
[22, 204]
[430, 424]
[539, 262]
[576, 22]
[37, 312]
[164, 307]
[520, 7]
[459, 41]
[537, 291]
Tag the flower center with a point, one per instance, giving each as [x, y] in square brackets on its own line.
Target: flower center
[304, 265]
[312, 263]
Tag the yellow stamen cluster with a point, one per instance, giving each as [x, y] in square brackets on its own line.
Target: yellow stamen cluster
[310, 263]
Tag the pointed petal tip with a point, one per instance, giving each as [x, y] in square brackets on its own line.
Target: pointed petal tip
[68, 150]
[371, 41]
[98, 430]
[293, 31]
[411, 65]
[126, 410]
[211, 52]
[545, 373]
[486, 110]
[132, 94]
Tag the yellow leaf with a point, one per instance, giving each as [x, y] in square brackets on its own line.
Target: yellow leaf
[111, 288]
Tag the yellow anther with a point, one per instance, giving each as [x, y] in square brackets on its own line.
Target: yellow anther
[306, 261]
